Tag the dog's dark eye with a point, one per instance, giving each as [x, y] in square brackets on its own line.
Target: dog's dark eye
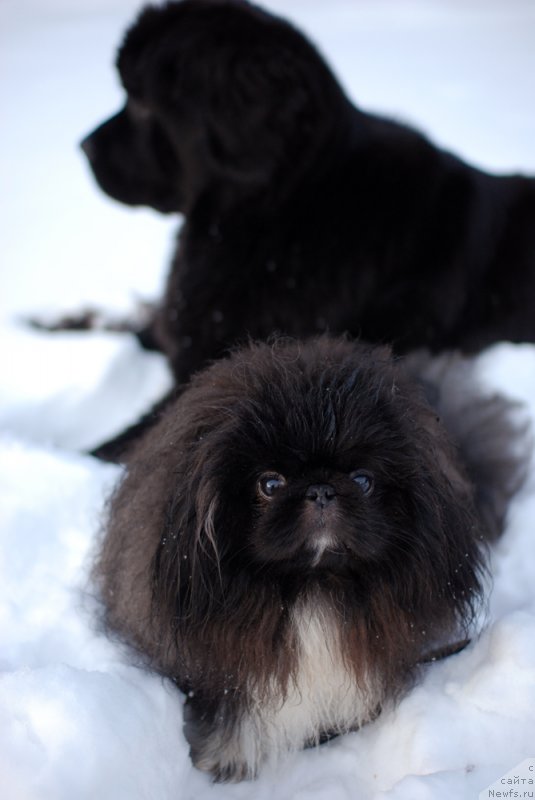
[269, 483]
[363, 480]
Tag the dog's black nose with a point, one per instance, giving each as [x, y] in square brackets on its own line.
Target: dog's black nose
[321, 493]
[88, 146]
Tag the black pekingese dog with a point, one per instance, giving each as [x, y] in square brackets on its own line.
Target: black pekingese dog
[303, 213]
[298, 533]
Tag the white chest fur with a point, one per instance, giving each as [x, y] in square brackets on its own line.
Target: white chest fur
[325, 695]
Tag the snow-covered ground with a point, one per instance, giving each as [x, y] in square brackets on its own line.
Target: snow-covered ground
[77, 720]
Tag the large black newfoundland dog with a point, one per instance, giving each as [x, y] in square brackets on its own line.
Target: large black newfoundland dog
[303, 213]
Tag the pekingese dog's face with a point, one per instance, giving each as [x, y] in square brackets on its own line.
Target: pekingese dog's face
[325, 473]
[293, 537]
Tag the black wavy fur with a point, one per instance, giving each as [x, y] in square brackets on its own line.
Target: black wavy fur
[303, 213]
[302, 487]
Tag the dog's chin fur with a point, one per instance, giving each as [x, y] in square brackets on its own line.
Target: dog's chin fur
[283, 621]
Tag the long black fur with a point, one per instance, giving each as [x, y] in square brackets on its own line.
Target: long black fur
[209, 579]
[303, 213]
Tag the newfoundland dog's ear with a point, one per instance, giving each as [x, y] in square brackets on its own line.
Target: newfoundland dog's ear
[262, 113]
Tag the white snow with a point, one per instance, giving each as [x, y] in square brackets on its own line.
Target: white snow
[77, 718]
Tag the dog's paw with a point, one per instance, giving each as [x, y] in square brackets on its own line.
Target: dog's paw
[84, 320]
[94, 319]
[227, 748]
[224, 767]
[140, 323]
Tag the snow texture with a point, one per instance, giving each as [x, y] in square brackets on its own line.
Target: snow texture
[77, 718]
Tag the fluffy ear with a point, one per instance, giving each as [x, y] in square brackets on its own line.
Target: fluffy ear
[159, 553]
[261, 113]
[186, 566]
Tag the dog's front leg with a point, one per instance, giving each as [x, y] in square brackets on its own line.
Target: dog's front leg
[225, 739]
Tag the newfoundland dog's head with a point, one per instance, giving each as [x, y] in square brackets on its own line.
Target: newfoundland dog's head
[217, 90]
